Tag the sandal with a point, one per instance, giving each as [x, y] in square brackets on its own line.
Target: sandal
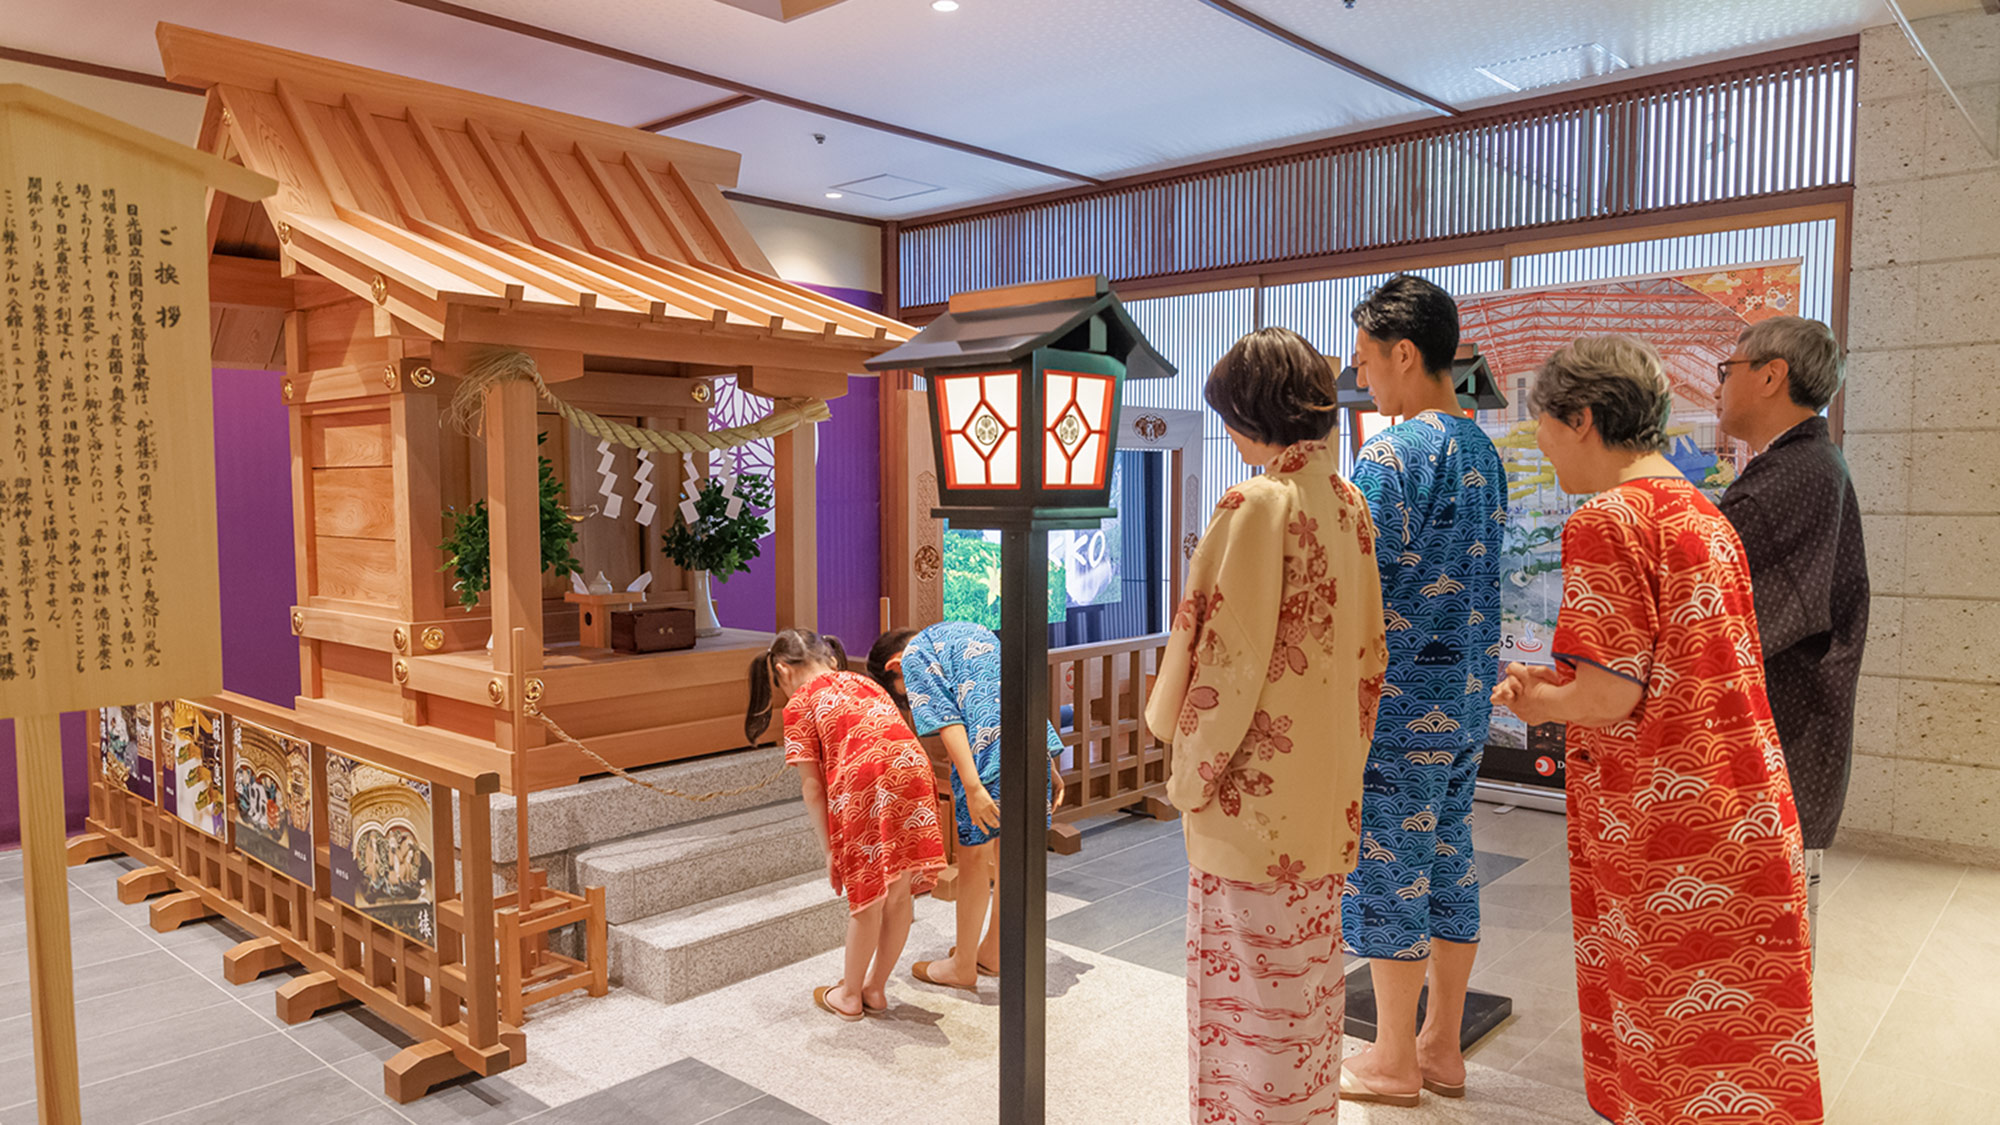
[922, 971]
[1353, 1089]
[983, 970]
[1444, 1091]
[867, 1009]
[820, 999]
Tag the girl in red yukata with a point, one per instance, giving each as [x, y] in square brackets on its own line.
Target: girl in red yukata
[869, 792]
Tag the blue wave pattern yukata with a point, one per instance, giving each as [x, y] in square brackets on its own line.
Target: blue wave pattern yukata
[1438, 496]
[951, 674]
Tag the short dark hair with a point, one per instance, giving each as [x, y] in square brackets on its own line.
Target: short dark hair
[1621, 380]
[1407, 307]
[886, 648]
[1274, 388]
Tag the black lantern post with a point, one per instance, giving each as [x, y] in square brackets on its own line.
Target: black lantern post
[1024, 385]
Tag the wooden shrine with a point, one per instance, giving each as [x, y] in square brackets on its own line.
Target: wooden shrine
[417, 231]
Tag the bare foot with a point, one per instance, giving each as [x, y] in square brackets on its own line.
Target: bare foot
[945, 972]
[876, 998]
[842, 1000]
[1441, 1062]
[1368, 1068]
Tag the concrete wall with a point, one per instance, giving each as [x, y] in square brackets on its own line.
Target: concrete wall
[1923, 438]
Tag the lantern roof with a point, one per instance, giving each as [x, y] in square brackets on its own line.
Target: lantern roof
[994, 326]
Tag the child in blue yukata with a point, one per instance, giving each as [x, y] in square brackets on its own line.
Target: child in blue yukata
[948, 676]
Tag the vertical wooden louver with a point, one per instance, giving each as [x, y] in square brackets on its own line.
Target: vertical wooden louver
[1766, 129]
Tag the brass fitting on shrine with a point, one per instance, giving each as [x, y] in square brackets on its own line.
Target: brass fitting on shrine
[286, 389]
[432, 639]
[531, 696]
[402, 670]
[298, 615]
[228, 118]
[701, 392]
[422, 376]
[400, 637]
[379, 289]
[284, 234]
[389, 376]
[496, 690]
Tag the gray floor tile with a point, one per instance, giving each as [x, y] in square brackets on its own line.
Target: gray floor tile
[10, 863]
[484, 1101]
[1173, 884]
[135, 1045]
[767, 1110]
[1119, 918]
[196, 1080]
[1163, 948]
[1076, 884]
[341, 1035]
[378, 1115]
[317, 1097]
[95, 934]
[197, 940]
[687, 1092]
[155, 968]
[1493, 866]
[1141, 863]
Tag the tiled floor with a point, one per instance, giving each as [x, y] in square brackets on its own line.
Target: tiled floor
[1908, 1013]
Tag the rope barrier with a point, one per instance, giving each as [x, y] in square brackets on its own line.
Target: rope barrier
[642, 783]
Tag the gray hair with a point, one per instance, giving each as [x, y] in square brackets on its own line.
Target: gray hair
[1619, 379]
[1808, 349]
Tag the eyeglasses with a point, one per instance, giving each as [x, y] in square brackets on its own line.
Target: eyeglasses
[1722, 369]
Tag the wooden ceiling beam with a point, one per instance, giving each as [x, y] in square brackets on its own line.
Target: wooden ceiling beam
[674, 120]
[253, 282]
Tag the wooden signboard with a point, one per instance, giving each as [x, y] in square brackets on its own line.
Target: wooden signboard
[107, 472]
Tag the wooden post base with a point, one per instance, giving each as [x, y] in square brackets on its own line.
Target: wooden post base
[91, 845]
[1159, 808]
[140, 885]
[1065, 839]
[177, 910]
[415, 1069]
[947, 885]
[252, 959]
[308, 996]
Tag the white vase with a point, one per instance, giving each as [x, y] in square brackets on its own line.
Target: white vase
[705, 624]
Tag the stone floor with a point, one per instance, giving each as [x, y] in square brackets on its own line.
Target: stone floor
[1908, 1011]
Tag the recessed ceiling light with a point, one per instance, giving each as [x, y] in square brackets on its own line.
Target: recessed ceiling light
[944, 5]
[833, 195]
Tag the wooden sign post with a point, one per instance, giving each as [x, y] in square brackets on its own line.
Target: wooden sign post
[107, 471]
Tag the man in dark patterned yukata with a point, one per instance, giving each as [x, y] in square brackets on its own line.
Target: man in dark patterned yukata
[1795, 509]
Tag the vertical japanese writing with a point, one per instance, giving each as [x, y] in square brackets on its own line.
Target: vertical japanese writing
[144, 452]
[118, 315]
[14, 491]
[44, 516]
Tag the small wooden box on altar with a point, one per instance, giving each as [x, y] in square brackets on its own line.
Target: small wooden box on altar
[652, 629]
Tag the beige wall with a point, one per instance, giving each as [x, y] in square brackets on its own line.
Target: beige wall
[171, 114]
[817, 250]
[1923, 438]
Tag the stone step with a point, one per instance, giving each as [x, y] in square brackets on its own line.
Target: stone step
[670, 868]
[683, 953]
[610, 808]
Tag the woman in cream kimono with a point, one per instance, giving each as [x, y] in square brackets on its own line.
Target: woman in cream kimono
[1268, 691]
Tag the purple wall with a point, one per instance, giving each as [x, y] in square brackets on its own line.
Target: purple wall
[253, 525]
[849, 520]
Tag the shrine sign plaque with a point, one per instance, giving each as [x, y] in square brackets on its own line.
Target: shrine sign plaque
[107, 460]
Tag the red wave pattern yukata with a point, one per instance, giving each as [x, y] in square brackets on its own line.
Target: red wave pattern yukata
[1687, 875]
[881, 808]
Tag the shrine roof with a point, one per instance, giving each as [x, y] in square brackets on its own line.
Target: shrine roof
[421, 197]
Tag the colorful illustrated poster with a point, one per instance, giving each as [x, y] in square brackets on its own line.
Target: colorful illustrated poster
[192, 781]
[379, 832]
[271, 798]
[127, 748]
[1693, 319]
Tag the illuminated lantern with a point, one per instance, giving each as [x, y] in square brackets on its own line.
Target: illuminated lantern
[1024, 385]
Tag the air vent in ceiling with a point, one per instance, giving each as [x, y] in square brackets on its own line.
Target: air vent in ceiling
[1555, 68]
[886, 187]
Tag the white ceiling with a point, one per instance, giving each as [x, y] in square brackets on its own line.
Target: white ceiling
[1101, 88]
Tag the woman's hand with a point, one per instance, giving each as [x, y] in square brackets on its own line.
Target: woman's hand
[1524, 692]
[985, 811]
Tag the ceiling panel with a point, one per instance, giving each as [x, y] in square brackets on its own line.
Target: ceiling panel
[1459, 36]
[375, 33]
[782, 161]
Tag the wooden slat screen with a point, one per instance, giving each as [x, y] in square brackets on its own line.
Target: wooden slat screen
[1765, 131]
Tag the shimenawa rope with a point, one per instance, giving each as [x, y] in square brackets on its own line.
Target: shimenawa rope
[644, 784]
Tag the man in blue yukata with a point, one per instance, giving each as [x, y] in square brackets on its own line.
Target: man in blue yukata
[1438, 496]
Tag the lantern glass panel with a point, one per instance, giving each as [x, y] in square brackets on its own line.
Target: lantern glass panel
[1076, 414]
[979, 420]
